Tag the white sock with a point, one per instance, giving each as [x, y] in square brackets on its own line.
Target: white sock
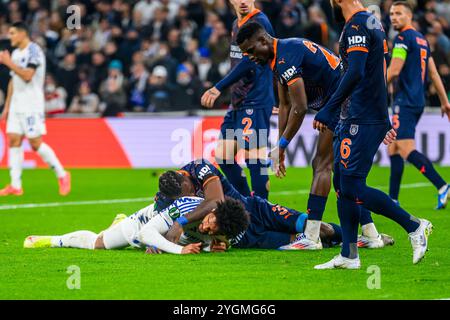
[48, 155]
[369, 230]
[442, 190]
[15, 165]
[78, 239]
[312, 230]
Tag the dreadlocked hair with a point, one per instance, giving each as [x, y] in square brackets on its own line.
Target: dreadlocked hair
[247, 31]
[170, 184]
[231, 217]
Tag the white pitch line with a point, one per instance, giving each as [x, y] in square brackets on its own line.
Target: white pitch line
[112, 201]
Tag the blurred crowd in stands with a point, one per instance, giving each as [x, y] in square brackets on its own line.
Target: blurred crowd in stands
[161, 55]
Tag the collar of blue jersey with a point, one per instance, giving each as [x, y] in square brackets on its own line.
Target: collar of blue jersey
[356, 12]
[247, 17]
[274, 60]
[408, 27]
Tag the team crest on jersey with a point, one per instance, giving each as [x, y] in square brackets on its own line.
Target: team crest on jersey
[174, 213]
[249, 111]
[397, 109]
[354, 129]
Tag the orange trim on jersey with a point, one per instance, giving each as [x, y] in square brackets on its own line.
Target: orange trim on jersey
[184, 173]
[293, 81]
[275, 45]
[407, 28]
[385, 46]
[357, 11]
[247, 17]
[324, 32]
[357, 49]
[209, 180]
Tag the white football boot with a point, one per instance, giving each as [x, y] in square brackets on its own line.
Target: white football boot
[340, 262]
[419, 240]
[302, 243]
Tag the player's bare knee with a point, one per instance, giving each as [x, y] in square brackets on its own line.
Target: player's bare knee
[99, 244]
[35, 143]
[322, 165]
[15, 140]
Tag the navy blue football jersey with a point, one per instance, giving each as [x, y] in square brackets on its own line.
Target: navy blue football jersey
[255, 89]
[410, 86]
[368, 102]
[297, 58]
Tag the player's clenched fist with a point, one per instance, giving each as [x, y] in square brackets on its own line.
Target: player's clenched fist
[209, 97]
[192, 248]
[391, 135]
[218, 246]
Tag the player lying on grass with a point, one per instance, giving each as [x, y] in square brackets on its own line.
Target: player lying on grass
[271, 226]
[307, 75]
[146, 229]
[203, 179]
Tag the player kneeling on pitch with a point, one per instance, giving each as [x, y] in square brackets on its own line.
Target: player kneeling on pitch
[146, 229]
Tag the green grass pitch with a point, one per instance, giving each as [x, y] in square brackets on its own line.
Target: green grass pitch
[237, 274]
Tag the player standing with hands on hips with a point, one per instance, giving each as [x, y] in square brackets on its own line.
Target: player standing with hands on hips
[411, 65]
[24, 109]
[364, 125]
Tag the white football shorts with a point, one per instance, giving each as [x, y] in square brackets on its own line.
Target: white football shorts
[28, 124]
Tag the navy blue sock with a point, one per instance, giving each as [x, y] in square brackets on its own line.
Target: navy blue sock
[424, 165]
[316, 207]
[397, 166]
[337, 237]
[259, 177]
[355, 188]
[365, 216]
[234, 173]
[349, 217]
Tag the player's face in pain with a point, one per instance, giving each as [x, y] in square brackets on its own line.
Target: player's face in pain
[337, 11]
[187, 187]
[209, 224]
[16, 36]
[258, 49]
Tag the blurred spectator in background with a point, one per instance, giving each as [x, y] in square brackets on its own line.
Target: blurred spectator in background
[158, 91]
[55, 96]
[85, 101]
[67, 75]
[112, 91]
[138, 82]
[187, 92]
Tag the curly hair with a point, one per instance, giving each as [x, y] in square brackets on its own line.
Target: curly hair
[232, 218]
[247, 31]
[170, 184]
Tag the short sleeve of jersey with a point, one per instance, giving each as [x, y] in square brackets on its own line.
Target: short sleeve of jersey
[205, 173]
[288, 66]
[400, 42]
[34, 59]
[357, 36]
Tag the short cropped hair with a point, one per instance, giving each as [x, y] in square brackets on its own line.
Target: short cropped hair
[20, 25]
[404, 3]
[247, 31]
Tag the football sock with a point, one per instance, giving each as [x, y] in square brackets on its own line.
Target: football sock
[355, 188]
[259, 177]
[236, 175]
[78, 239]
[316, 207]
[348, 212]
[48, 155]
[365, 216]
[397, 166]
[424, 165]
[369, 230]
[15, 165]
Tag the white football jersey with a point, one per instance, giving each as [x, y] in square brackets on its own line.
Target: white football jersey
[28, 96]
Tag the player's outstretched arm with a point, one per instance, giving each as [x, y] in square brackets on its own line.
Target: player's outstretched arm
[25, 73]
[241, 69]
[351, 78]
[213, 193]
[151, 235]
[440, 89]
